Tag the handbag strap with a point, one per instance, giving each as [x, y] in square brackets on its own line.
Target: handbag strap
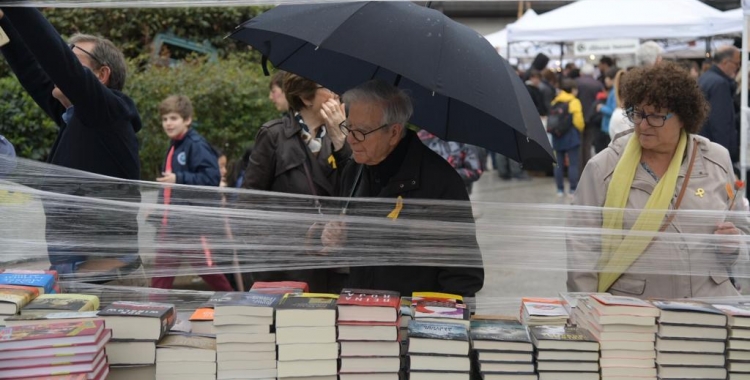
[677, 203]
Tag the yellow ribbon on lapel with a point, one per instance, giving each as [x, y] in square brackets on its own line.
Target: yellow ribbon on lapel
[332, 161]
[397, 210]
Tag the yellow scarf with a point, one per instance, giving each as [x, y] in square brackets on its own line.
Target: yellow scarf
[619, 253]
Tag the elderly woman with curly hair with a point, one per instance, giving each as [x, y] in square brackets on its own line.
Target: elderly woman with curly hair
[631, 244]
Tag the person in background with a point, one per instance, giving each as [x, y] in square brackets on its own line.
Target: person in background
[464, 158]
[718, 86]
[618, 122]
[222, 160]
[236, 174]
[190, 160]
[605, 63]
[534, 87]
[692, 67]
[8, 159]
[648, 54]
[548, 86]
[567, 107]
[608, 107]
[588, 88]
[570, 71]
[276, 92]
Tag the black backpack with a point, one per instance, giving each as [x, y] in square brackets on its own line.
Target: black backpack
[559, 120]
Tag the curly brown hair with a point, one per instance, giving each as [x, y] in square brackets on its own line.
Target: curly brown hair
[666, 85]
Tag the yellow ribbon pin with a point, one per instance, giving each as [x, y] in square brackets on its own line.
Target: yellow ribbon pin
[700, 192]
[397, 210]
[332, 161]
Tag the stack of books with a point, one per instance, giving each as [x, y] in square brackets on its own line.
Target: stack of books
[570, 303]
[136, 327]
[625, 329]
[44, 280]
[306, 336]
[185, 357]
[562, 353]
[407, 315]
[738, 344]
[244, 341]
[202, 321]
[440, 307]
[368, 328]
[438, 351]
[543, 312]
[502, 349]
[691, 340]
[279, 287]
[13, 298]
[75, 348]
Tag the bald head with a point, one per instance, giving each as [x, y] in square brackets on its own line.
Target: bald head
[727, 59]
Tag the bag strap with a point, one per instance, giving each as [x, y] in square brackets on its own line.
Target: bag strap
[677, 203]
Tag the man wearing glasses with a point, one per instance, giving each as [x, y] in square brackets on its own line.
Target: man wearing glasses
[389, 161]
[78, 84]
[719, 86]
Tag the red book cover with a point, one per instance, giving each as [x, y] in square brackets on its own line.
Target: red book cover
[281, 285]
[48, 335]
[369, 298]
[78, 376]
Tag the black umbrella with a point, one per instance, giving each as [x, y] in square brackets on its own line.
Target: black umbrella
[462, 89]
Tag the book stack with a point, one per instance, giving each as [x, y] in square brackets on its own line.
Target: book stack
[245, 345]
[202, 321]
[565, 353]
[570, 303]
[738, 344]
[61, 303]
[624, 328]
[502, 349]
[407, 315]
[44, 280]
[75, 348]
[543, 312]
[13, 298]
[444, 311]
[690, 341]
[185, 357]
[306, 336]
[438, 351]
[33, 319]
[279, 287]
[368, 328]
[136, 327]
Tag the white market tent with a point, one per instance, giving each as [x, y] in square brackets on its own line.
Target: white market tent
[618, 19]
[521, 50]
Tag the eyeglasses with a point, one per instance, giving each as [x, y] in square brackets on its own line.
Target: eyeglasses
[99, 61]
[653, 119]
[358, 135]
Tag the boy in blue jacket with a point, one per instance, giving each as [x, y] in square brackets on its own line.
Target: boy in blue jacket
[190, 161]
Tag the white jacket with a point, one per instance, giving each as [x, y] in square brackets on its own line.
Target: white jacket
[618, 123]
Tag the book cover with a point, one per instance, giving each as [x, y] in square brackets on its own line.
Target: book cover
[363, 297]
[571, 298]
[435, 330]
[63, 302]
[50, 331]
[203, 314]
[165, 312]
[246, 299]
[405, 308]
[562, 333]
[13, 298]
[44, 282]
[187, 341]
[308, 301]
[539, 309]
[737, 309]
[610, 300]
[688, 306]
[500, 330]
[54, 316]
[437, 309]
[302, 286]
[33, 271]
[436, 296]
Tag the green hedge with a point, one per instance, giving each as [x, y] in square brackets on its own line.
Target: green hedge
[230, 98]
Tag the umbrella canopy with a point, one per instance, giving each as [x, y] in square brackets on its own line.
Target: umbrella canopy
[613, 19]
[462, 89]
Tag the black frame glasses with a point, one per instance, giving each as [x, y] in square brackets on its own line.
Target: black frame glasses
[99, 61]
[654, 120]
[358, 135]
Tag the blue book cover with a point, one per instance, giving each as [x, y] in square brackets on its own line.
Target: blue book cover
[499, 330]
[244, 299]
[45, 282]
[437, 330]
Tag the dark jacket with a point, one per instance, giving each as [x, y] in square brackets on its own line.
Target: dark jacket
[194, 163]
[99, 138]
[277, 164]
[588, 87]
[422, 174]
[720, 127]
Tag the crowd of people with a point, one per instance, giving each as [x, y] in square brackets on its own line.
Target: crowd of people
[610, 128]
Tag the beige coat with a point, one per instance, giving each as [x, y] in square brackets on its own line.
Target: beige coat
[661, 270]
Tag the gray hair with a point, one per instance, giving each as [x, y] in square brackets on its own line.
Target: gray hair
[395, 103]
[109, 55]
[587, 69]
[725, 53]
[648, 53]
